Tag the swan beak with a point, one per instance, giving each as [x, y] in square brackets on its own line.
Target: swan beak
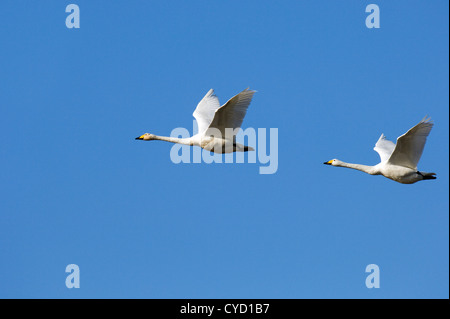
[329, 162]
[140, 137]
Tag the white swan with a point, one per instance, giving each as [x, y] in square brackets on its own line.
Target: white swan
[213, 120]
[398, 162]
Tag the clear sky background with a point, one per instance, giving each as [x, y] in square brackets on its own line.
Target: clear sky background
[77, 188]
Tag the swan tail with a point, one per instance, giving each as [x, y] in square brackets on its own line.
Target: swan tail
[242, 148]
[428, 175]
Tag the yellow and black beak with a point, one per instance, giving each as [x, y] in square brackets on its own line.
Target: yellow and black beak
[329, 162]
[140, 137]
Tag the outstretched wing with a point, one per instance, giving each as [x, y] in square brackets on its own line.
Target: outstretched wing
[232, 113]
[384, 148]
[205, 111]
[410, 145]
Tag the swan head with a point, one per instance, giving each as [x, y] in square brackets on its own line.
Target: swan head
[333, 162]
[146, 137]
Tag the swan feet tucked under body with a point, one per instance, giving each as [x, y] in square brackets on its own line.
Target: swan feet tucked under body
[398, 161]
[215, 123]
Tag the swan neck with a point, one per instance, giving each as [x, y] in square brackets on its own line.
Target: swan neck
[364, 168]
[185, 141]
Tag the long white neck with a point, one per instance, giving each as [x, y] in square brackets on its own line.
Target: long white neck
[363, 168]
[185, 141]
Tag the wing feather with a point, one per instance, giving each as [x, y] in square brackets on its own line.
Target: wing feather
[205, 111]
[384, 148]
[232, 113]
[410, 145]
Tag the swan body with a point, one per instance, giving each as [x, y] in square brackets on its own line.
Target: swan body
[398, 161]
[213, 123]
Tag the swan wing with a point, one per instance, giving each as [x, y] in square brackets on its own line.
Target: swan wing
[384, 148]
[205, 111]
[410, 145]
[232, 113]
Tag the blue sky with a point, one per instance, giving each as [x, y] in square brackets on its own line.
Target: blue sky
[76, 188]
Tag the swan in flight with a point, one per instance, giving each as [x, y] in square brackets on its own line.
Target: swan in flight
[213, 120]
[398, 161]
